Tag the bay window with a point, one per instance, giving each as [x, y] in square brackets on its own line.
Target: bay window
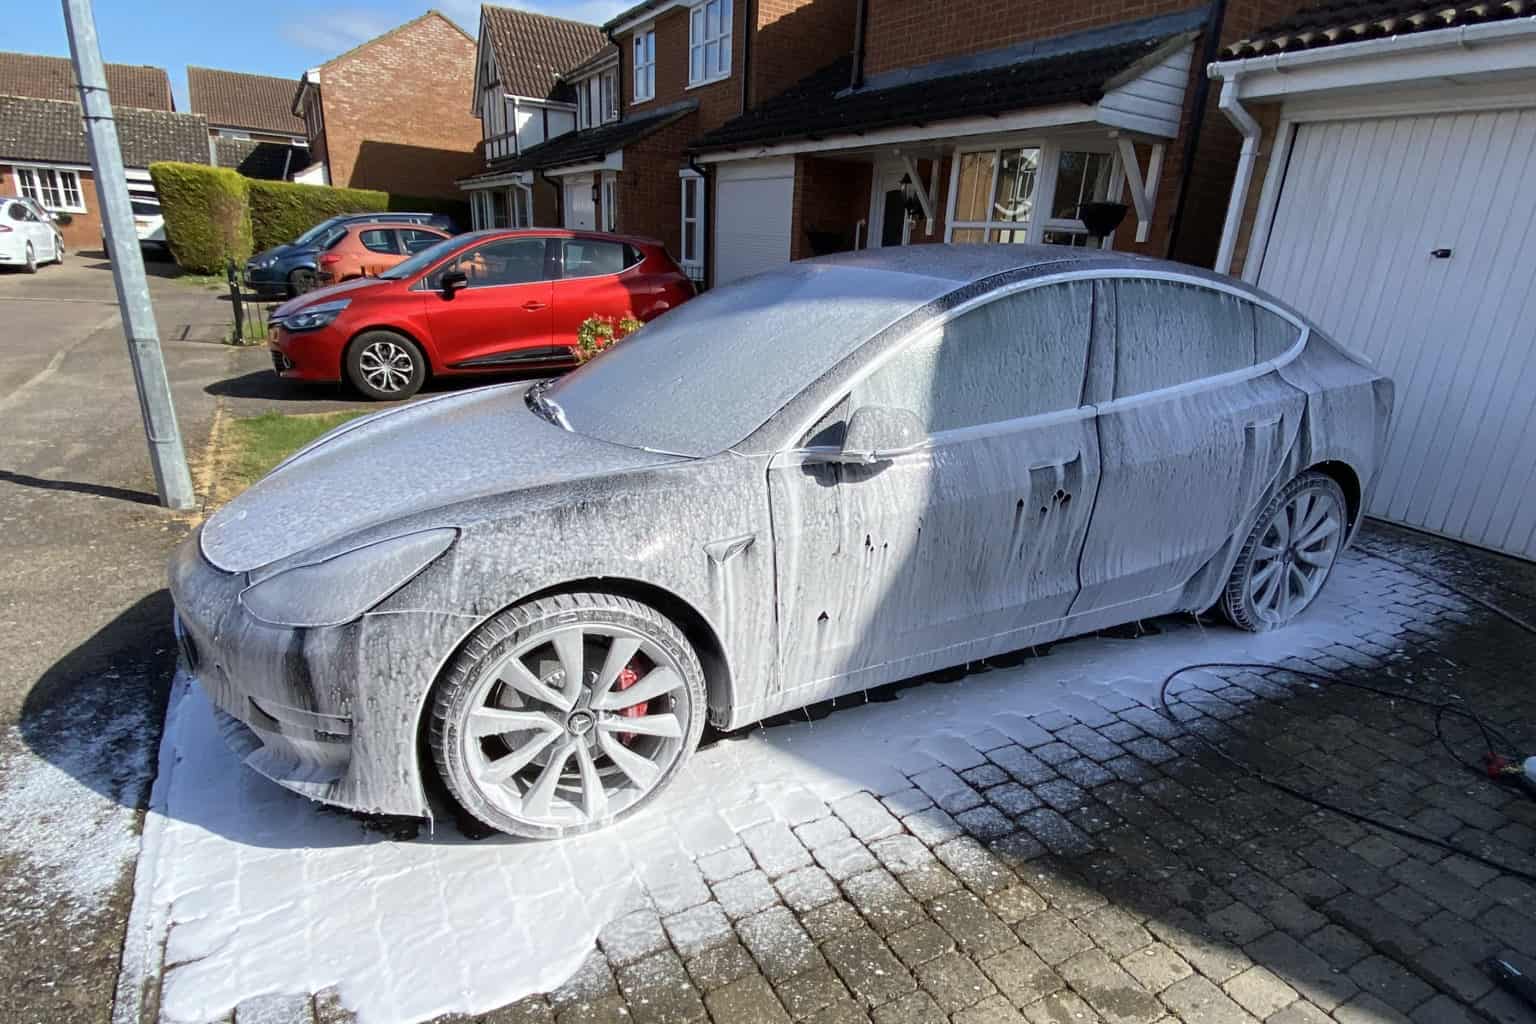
[709, 41]
[597, 99]
[645, 65]
[1016, 194]
[57, 189]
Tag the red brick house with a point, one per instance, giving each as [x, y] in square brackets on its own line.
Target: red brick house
[676, 70]
[254, 129]
[981, 121]
[393, 113]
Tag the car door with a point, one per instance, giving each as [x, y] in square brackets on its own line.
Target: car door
[1196, 430]
[502, 316]
[25, 223]
[590, 284]
[380, 249]
[965, 547]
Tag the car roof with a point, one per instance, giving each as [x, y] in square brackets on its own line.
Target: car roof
[603, 236]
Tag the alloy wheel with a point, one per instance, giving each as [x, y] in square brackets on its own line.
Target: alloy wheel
[1295, 554]
[386, 366]
[575, 725]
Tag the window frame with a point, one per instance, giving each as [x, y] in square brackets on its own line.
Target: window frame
[389, 233]
[643, 62]
[692, 227]
[624, 247]
[431, 280]
[65, 184]
[699, 41]
[1044, 198]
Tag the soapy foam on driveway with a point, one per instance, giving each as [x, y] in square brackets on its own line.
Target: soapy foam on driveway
[254, 890]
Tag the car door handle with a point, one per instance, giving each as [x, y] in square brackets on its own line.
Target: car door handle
[534, 305]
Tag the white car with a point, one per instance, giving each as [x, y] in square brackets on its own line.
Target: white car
[27, 235]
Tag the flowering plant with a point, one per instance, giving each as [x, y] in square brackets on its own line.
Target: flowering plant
[598, 332]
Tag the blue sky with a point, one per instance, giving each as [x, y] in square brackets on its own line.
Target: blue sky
[287, 36]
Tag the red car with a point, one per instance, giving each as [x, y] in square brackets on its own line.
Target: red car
[482, 302]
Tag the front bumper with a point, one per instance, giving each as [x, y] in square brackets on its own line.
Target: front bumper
[265, 281]
[288, 700]
[306, 355]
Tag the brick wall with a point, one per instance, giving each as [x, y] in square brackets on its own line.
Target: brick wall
[831, 196]
[84, 229]
[795, 38]
[397, 111]
[718, 101]
[650, 194]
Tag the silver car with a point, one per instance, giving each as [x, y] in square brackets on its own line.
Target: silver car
[828, 477]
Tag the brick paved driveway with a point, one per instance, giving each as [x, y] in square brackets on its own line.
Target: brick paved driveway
[1107, 865]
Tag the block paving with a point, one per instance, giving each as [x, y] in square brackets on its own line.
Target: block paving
[1120, 865]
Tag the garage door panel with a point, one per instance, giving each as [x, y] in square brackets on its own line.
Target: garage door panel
[754, 205]
[1362, 205]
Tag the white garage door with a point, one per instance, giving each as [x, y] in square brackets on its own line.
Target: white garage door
[1409, 239]
[753, 203]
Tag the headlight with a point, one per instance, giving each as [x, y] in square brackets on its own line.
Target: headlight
[315, 316]
[263, 264]
[340, 589]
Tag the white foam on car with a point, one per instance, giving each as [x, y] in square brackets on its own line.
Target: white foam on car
[255, 891]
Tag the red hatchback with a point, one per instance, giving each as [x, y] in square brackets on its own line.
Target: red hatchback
[482, 302]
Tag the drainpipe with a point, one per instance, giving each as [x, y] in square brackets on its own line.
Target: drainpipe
[746, 57]
[1243, 121]
[1212, 50]
[860, 18]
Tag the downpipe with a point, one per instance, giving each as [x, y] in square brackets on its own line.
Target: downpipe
[1233, 108]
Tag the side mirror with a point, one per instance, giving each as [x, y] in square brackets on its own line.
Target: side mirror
[452, 281]
[879, 434]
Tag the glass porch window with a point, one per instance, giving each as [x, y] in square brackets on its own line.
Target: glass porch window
[1081, 177]
[995, 195]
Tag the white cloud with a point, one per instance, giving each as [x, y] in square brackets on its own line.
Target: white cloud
[467, 12]
[336, 31]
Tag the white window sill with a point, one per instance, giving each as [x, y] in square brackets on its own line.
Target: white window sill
[65, 209]
[709, 81]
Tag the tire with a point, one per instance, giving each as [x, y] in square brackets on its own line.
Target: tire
[610, 764]
[30, 266]
[385, 366]
[301, 281]
[1253, 600]
[58, 253]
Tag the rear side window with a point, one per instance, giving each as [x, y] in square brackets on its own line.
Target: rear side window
[1169, 333]
[378, 240]
[510, 261]
[1273, 334]
[1021, 355]
[416, 240]
[581, 257]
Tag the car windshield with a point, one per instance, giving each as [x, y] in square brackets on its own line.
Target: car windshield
[313, 234]
[423, 259]
[704, 376]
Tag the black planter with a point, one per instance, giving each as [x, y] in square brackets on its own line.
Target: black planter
[1101, 218]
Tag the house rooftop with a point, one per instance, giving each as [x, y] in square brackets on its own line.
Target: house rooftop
[592, 144]
[1352, 21]
[53, 78]
[533, 50]
[235, 99]
[53, 131]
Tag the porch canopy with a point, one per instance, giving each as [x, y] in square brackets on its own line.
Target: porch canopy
[1108, 88]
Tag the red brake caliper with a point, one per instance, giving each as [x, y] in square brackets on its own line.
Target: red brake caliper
[629, 676]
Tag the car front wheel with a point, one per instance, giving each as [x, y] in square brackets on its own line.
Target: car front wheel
[301, 281]
[385, 366]
[567, 713]
[1289, 554]
[30, 266]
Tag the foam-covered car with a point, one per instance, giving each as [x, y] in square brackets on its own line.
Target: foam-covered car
[831, 476]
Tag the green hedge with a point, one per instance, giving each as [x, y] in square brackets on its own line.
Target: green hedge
[206, 214]
[282, 211]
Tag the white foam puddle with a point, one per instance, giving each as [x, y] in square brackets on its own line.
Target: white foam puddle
[258, 891]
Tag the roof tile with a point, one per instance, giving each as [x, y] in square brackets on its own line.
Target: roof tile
[533, 50]
[1352, 21]
[53, 131]
[235, 99]
[53, 78]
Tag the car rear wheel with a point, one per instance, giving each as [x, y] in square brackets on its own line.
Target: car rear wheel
[58, 252]
[30, 266]
[1289, 554]
[301, 281]
[567, 713]
[386, 366]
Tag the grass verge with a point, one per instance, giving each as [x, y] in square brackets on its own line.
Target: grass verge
[253, 445]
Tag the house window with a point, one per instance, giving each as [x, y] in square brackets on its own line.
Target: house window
[597, 99]
[645, 65]
[1081, 177]
[610, 211]
[312, 122]
[583, 106]
[709, 41]
[693, 225]
[522, 206]
[999, 192]
[54, 188]
[499, 213]
[608, 90]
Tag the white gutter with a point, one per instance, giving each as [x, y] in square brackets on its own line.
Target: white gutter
[1233, 107]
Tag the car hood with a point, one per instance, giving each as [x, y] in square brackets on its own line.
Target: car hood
[343, 289]
[278, 252]
[404, 461]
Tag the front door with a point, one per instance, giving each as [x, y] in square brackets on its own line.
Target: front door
[965, 547]
[580, 207]
[502, 318]
[888, 222]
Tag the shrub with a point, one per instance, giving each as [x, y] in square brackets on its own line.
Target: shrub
[598, 333]
[282, 211]
[206, 218]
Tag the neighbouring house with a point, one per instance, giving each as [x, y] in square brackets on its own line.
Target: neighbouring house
[522, 101]
[43, 151]
[675, 69]
[43, 155]
[1386, 192]
[251, 120]
[986, 122]
[393, 113]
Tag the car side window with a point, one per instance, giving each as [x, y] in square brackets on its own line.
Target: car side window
[509, 261]
[1273, 334]
[1169, 333]
[1020, 355]
[415, 240]
[19, 212]
[582, 257]
[378, 240]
